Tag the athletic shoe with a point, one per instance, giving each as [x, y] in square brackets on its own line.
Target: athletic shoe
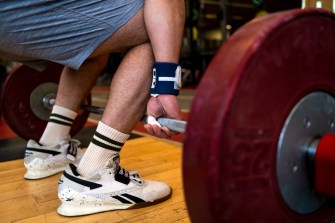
[111, 188]
[42, 161]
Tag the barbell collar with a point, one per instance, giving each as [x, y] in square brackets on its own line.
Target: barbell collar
[49, 101]
[297, 148]
[311, 151]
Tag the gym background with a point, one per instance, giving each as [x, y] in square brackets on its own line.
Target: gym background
[208, 24]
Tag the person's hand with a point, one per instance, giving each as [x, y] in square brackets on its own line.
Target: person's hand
[163, 106]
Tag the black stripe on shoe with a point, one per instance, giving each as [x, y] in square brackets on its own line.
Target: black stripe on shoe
[105, 146]
[74, 170]
[52, 152]
[85, 183]
[137, 200]
[122, 200]
[127, 198]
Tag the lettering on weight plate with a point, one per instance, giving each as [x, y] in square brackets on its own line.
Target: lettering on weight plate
[253, 133]
[251, 164]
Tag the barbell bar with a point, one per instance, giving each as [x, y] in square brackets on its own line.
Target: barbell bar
[172, 124]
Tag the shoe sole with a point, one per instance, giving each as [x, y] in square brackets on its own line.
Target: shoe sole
[36, 174]
[72, 210]
[68, 209]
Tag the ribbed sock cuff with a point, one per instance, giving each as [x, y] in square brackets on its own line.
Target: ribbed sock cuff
[107, 142]
[111, 133]
[64, 111]
[59, 126]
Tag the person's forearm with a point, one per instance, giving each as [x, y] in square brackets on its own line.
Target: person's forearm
[164, 20]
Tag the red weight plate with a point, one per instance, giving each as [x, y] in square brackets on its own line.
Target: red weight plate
[241, 104]
[15, 103]
[3, 73]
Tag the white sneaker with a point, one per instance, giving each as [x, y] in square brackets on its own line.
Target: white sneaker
[42, 161]
[111, 188]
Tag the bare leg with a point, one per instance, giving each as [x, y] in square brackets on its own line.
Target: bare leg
[73, 88]
[75, 85]
[129, 89]
[125, 106]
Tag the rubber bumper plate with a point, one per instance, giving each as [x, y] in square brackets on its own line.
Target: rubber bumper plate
[240, 107]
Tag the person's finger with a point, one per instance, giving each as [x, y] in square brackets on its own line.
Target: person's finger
[149, 129]
[152, 121]
[167, 131]
[157, 130]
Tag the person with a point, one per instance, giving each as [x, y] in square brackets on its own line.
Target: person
[80, 35]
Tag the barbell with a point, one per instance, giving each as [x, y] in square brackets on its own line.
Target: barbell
[259, 143]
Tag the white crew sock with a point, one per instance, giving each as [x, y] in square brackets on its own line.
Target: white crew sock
[106, 143]
[59, 126]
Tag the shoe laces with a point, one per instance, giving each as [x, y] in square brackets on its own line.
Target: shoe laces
[123, 175]
[72, 146]
[123, 171]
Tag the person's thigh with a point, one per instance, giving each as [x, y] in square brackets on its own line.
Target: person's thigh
[132, 34]
[64, 31]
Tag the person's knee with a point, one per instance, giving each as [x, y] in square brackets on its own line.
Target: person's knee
[132, 34]
[92, 66]
[146, 51]
[97, 62]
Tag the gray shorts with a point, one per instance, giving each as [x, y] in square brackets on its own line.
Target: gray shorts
[61, 31]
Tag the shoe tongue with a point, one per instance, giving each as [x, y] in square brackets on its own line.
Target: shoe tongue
[65, 141]
[114, 162]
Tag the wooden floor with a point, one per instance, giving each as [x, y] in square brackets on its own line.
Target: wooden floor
[36, 201]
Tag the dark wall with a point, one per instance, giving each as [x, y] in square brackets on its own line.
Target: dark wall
[280, 5]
